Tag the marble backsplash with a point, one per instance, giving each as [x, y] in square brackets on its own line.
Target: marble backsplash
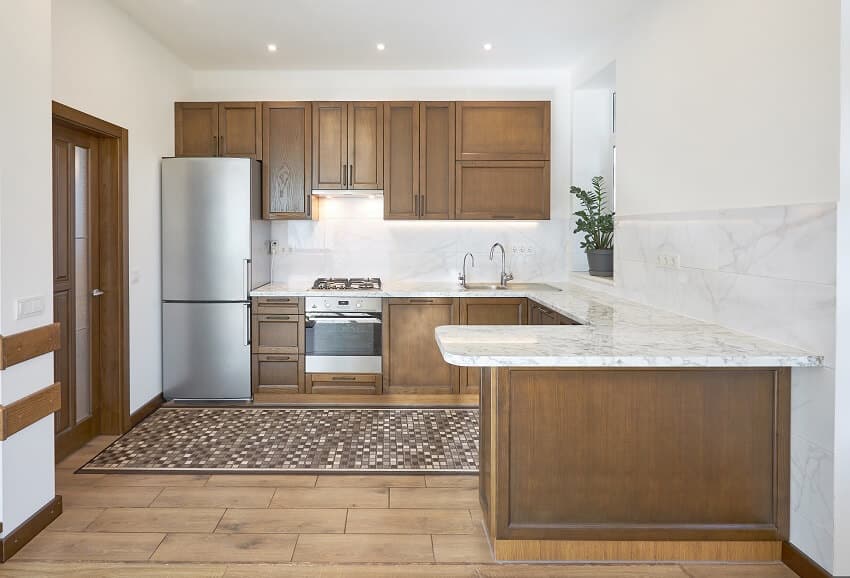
[770, 272]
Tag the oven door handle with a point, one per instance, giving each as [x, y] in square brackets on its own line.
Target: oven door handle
[343, 320]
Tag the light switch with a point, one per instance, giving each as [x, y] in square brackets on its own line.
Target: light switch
[30, 307]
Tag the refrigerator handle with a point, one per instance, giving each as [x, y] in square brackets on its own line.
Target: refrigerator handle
[247, 325]
[246, 278]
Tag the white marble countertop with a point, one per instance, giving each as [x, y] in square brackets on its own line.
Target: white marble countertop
[615, 333]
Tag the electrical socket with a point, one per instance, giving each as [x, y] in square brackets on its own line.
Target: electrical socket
[668, 261]
[29, 307]
[523, 249]
[273, 247]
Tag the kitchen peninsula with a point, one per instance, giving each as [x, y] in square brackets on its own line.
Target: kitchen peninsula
[637, 435]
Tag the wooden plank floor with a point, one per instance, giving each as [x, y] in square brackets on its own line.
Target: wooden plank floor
[281, 525]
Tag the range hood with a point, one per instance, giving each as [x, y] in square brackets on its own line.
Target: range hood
[348, 193]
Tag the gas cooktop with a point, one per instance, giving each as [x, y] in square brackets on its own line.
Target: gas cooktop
[341, 283]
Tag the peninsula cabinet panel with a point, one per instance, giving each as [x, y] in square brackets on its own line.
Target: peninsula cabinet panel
[196, 129]
[330, 145]
[437, 160]
[503, 131]
[401, 160]
[412, 360]
[637, 454]
[488, 311]
[287, 152]
[240, 127]
[502, 190]
[366, 145]
[277, 373]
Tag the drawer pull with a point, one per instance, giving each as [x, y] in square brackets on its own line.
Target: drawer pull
[278, 317]
[420, 300]
[277, 300]
[278, 358]
[503, 217]
[340, 378]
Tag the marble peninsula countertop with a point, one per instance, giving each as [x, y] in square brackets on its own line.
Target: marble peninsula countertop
[614, 332]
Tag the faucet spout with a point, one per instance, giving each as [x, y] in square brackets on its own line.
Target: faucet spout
[505, 276]
[462, 277]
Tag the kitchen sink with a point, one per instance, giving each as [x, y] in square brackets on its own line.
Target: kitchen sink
[510, 287]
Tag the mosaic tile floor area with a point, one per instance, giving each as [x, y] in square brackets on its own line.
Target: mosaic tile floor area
[203, 440]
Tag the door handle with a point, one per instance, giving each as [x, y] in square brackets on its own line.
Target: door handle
[246, 277]
[247, 325]
[96, 293]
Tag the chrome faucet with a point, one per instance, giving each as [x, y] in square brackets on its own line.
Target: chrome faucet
[504, 277]
[462, 276]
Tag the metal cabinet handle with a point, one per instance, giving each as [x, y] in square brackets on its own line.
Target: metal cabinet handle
[277, 317]
[344, 176]
[215, 146]
[277, 358]
[247, 335]
[503, 217]
[420, 300]
[351, 176]
[421, 205]
[96, 293]
[339, 378]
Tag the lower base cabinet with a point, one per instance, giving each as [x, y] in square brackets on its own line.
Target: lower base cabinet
[488, 311]
[272, 373]
[344, 384]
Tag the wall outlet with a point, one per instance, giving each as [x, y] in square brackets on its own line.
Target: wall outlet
[523, 249]
[668, 261]
[273, 247]
[30, 307]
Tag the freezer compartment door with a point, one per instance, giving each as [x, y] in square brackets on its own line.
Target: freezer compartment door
[206, 229]
[206, 350]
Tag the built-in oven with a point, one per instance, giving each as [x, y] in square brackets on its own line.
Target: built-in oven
[343, 335]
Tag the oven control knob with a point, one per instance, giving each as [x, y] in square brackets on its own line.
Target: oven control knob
[359, 304]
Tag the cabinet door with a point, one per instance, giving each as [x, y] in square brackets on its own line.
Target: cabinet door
[487, 311]
[539, 315]
[287, 150]
[412, 360]
[437, 160]
[277, 373]
[240, 129]
[401, 160]
[195, 129]
[503, 131]
[502, 190]
[366, 145]
[330, 145]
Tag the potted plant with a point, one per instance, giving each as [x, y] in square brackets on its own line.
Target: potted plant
[597, 224]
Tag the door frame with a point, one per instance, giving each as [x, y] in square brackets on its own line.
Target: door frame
[115, 274]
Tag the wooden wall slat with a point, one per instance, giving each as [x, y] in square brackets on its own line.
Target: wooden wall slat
[28, 410]
[28, 344]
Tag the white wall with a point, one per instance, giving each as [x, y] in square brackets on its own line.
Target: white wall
[107, 66]
[351, 238]
[26, 246]
[728, 104]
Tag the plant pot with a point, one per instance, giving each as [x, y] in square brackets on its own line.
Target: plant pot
[601, 262]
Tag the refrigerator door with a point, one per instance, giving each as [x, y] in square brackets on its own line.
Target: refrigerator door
[206, 350]
[206, 229]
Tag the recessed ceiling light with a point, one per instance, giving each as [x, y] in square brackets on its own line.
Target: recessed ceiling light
[271, 47]
[380, 46]
[488, 47]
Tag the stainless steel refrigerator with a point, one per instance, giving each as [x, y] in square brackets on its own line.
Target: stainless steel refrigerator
[215, 249]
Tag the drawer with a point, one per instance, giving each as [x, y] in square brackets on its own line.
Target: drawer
[278, 305]
[277, 373]
[344, 384]
[277, 333]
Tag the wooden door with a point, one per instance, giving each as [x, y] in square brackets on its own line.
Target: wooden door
[196, 129]
[330, 145]
[240, 130]
[437, 160]
[366, 145]
[412, 360]
[501, 131]
[401, 160]
[488, 311]
[502, 190]
[287, 151]
[76, 287]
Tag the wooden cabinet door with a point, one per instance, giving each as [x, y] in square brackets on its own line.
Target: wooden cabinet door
[240, 129]
[287, 151]
[437, 160]
[330, 145]
[366, 145]
[401, 160]
[277, 334]
[412, 360]
[502, 190]
[488, 311]
[277, 373]
[539, 315]
[196, 129]
[503, 131]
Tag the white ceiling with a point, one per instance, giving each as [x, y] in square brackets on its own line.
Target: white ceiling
[342, 34]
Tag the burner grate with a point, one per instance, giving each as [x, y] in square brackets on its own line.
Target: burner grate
[339, 283]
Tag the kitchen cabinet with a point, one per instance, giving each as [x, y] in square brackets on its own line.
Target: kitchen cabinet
[401, 161]
[412, 360]
[348, 145]
[287, 153]
[502, 190]
[344, 383]
[540, 315]
[488, 311]
[437, 160]
[274, 373]
[277, 345]
[225, 129]
[501, 131]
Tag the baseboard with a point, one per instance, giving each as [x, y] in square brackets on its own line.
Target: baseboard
[19, 538]
[144, 411]
[801, 564]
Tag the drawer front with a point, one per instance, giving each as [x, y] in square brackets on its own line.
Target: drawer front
[278, 333]
[344, 384]
[279, 305]
[277, 373]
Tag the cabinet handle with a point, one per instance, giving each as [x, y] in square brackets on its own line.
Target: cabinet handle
[221, 146]
[340, 378]
[351, 176]
[276, 317]
[421, 205]
[503, 217]
[420, 300]
[277, 300]
[277, 358]
[344, 176]
[415, 205]
[215, 146]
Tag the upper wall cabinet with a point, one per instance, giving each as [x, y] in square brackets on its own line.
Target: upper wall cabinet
[287, 170]
[348, 145]
[401, 160]
[502, 131]
[437, 160]
[502, 190]
[210, 129]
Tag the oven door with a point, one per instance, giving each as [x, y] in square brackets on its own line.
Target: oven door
[343, 343]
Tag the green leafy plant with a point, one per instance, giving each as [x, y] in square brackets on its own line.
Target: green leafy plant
[594, 220]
